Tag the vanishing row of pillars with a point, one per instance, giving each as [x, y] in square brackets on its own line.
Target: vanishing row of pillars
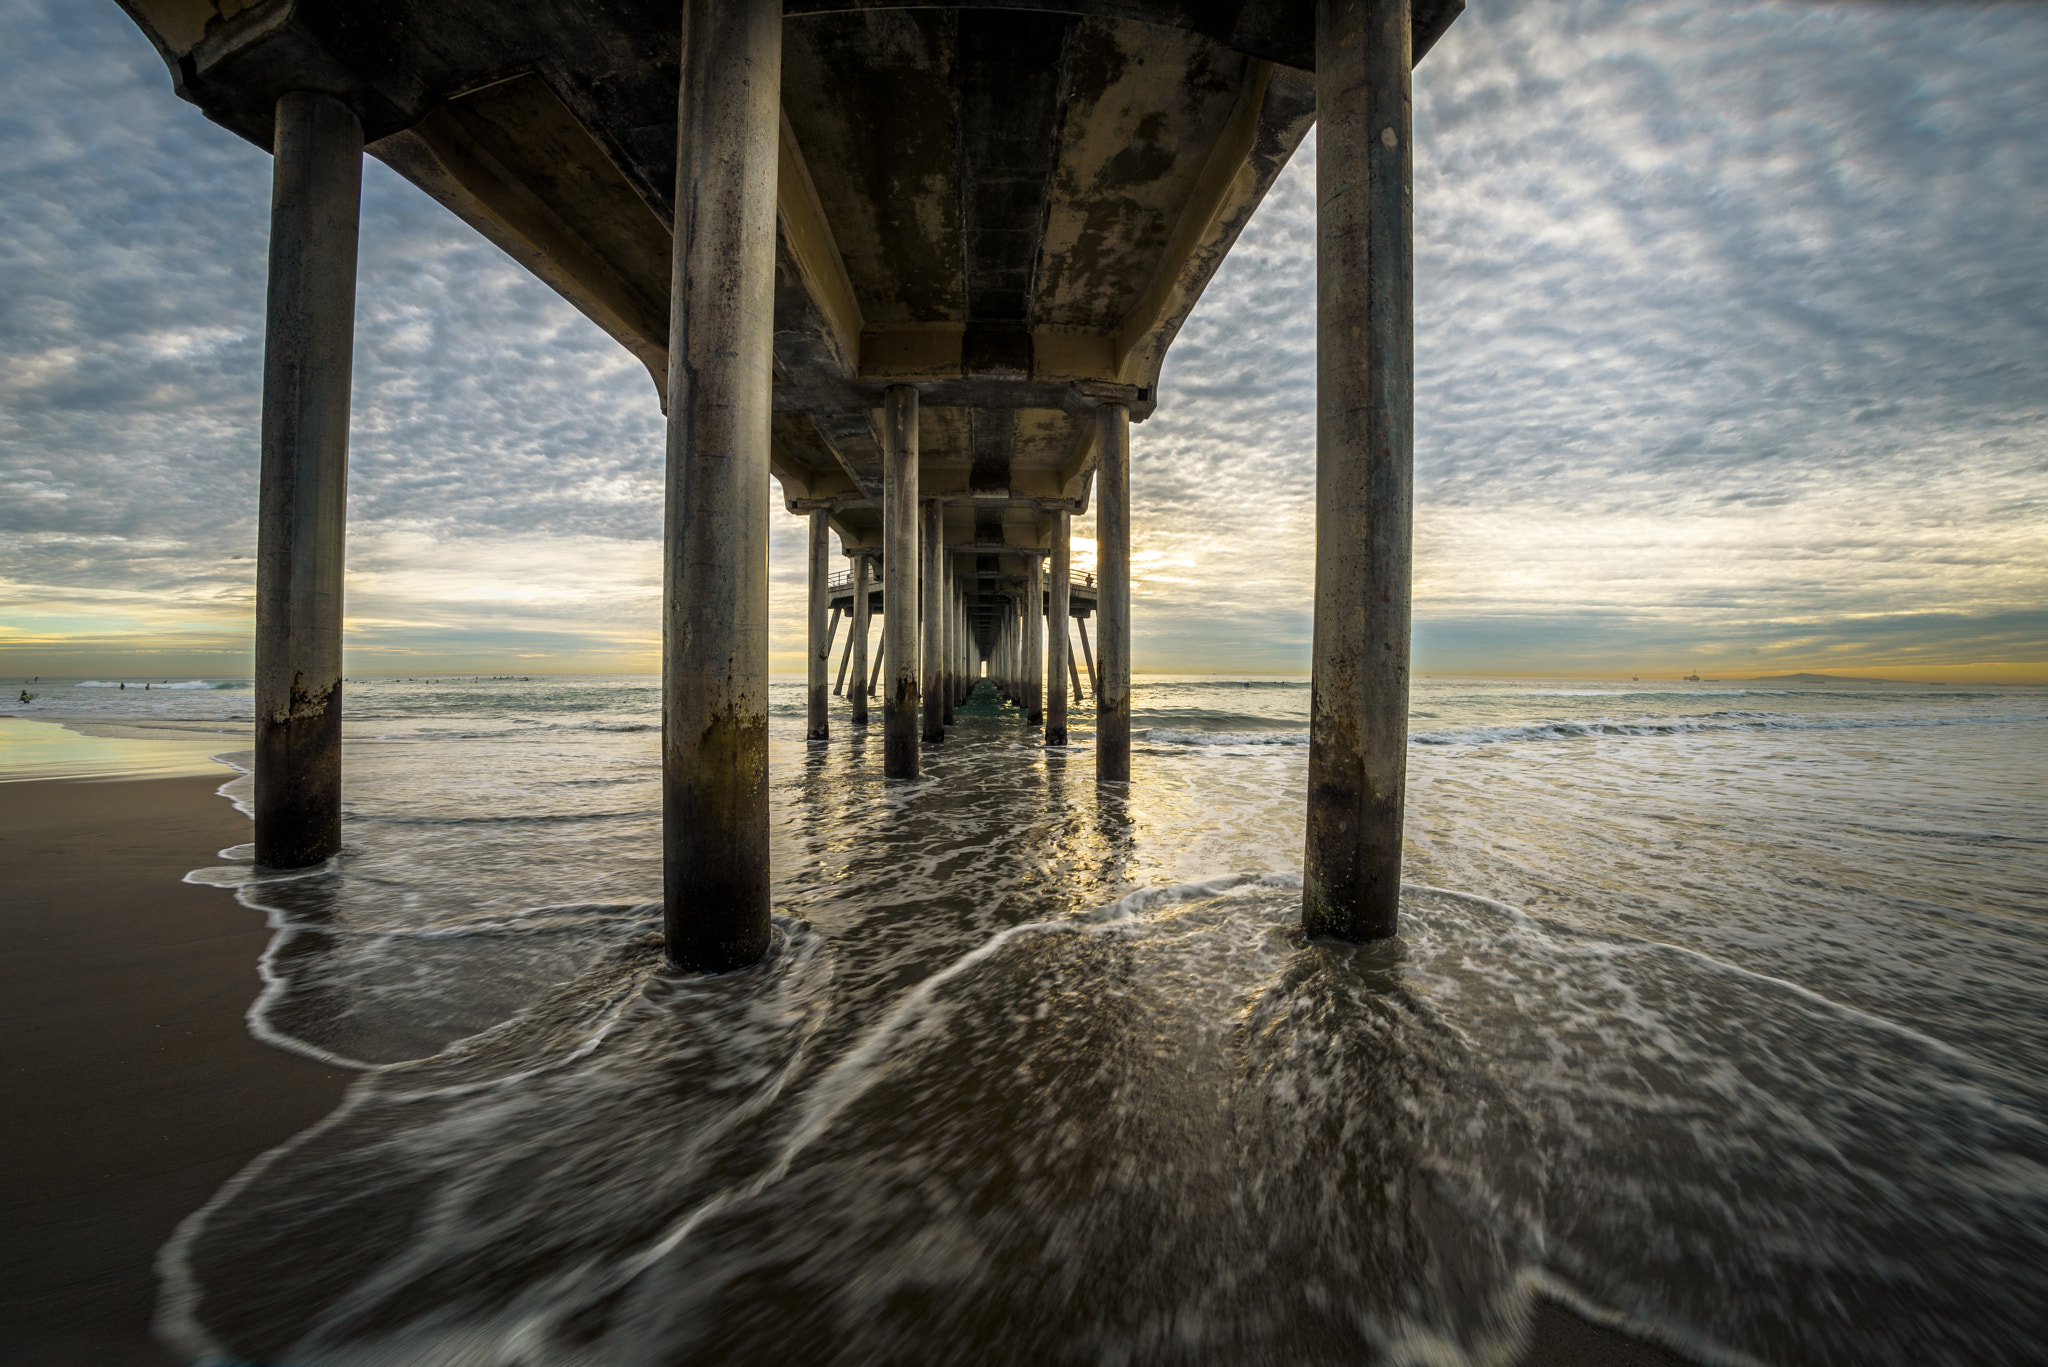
[1021, 660]
[715, 588]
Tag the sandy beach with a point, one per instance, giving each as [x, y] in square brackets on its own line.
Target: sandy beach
[135, 1090]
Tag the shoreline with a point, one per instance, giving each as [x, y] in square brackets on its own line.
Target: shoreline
[136, 1090]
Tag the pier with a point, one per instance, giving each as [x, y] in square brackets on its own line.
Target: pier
[918, 266]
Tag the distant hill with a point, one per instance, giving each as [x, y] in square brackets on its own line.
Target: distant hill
[1817, 678]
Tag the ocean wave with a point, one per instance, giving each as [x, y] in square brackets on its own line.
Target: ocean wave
[520, 727]
[201, 685]
[1160, 735]
[507, 818]
[1729, 722]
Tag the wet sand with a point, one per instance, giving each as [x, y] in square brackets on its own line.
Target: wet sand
[134, 1091]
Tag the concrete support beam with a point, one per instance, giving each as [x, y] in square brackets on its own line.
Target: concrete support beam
[309, 337]
[863, 688]
[1365, 401]
[1060, 659]
[1034, 642]
[819, 658]
[715, 559]
[899, 582]
[933, 616]
[1113, 591]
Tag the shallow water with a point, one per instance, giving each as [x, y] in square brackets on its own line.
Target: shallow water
[1731, 1030]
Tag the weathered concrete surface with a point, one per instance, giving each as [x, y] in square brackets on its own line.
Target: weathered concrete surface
[899, 584]
[1113, 580]
[1365, 401]
[316, 195]
[715, 558]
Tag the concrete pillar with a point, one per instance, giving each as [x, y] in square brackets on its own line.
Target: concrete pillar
[899, 581]
[949, 665]
[820, 660]
[1094, 676]
[1059, 659]
[1365, 402]
[1073, 668]
[1010, 670]
[1113, 591]
[859, 644]
[1034, 641]
[932, 607]
[845, 656]
[309, 335]
[715, 560]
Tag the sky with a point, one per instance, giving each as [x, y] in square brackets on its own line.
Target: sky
[1731, 343]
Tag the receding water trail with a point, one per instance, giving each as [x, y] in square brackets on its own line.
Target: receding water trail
[1741, 1045]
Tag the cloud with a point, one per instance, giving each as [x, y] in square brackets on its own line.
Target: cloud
[1732, 336]
[1730, 312]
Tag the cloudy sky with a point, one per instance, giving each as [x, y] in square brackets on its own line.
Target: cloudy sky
[1732, 346]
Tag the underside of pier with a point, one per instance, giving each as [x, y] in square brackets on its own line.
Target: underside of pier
[921, 264]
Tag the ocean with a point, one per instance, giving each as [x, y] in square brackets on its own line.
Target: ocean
[1717, 1013]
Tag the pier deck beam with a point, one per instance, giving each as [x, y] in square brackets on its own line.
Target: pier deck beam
[862, 687]
[820, 660]
[1113, 590]
[899, 581]
[315, 212]
[715, 556]
[1059, 659]
[1365, 402]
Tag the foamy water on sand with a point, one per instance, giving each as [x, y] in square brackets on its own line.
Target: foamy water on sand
[1725, 1023]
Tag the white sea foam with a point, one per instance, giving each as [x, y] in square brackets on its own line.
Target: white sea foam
[1763, 1045]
